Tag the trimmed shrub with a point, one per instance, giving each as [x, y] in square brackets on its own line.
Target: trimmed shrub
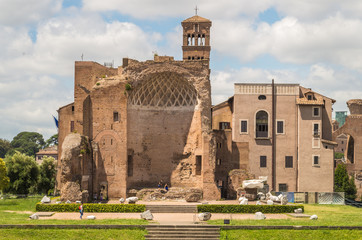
[248, 208]
[90, 207]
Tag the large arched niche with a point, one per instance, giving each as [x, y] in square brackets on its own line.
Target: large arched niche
[165, 90]
[161, 120]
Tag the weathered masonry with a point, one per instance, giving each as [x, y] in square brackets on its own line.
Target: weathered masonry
[133, 126]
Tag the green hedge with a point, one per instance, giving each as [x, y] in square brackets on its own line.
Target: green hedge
[248, 208]
[90, 207]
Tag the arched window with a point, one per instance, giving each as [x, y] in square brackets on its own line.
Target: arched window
[261, 121]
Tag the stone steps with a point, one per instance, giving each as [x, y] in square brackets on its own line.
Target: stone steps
[186, 232]
[172, 208]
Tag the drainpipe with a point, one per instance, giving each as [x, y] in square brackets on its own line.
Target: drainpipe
[273, 138]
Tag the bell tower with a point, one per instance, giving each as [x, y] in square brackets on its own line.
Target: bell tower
[196, 38]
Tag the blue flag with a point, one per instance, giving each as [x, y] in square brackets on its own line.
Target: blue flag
[56, 121]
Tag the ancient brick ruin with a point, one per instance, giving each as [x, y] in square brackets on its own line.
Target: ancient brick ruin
[141, 123]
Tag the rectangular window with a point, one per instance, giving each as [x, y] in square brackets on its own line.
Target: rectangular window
[288, 161]
[262, 161]
[243, 126]
[315, 111]
[283, 187]
[198, 164]
[115, 117]
[130, 166]
[218, 162]
[224, 125]
[71, 126]
[315, 160]
[315, 129]
[72, 108]
[280, 127]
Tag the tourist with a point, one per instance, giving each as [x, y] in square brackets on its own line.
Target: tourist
[166, 187]
[81, 210]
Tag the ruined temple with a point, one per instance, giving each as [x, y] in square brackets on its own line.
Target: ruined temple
[133, 126]
[351, 133]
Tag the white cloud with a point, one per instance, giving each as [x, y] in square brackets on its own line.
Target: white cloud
[333, 40]
[311, 10]
[36, 78]
[146, 9]
[16, 12]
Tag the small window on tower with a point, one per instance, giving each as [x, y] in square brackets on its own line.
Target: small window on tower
[130, 166]
[115, 117]
[198, 164]
[262, 161]
[71, 126]
[288, 161]
[224, 125]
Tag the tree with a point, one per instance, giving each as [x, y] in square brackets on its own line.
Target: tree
[28, 143]
[52, 141]
[47, 175]
[342, 182]
[4, 147]
[4, 179]
[23, 173]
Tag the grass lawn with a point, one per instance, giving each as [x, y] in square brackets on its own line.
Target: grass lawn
[291, 234]
[81, 234]
[28, 204]
[328, 215]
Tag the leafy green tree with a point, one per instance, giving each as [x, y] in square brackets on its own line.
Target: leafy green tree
[342, 182]
[4, 179]
[28, 143]
[338, 155]
[52, 141]
[4, 147]
[47, 175]
[23, 173]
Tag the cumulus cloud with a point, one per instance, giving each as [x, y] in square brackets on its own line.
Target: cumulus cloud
[333, 40]
[16, 12]
[311, 10]
[37, 77]
[145, 9]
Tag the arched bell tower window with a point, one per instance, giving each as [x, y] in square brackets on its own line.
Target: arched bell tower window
[261, 127]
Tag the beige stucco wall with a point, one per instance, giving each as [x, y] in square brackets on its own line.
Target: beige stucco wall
[313, 178]
[245, 108]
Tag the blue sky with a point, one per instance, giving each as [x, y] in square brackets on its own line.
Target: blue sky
[317, 44]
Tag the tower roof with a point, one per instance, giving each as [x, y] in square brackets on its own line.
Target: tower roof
[196, 18]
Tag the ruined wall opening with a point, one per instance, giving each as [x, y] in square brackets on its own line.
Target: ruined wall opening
[161, 112]
[350, 149]
[164, 90]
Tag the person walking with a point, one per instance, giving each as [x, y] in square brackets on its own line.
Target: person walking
[81, 211]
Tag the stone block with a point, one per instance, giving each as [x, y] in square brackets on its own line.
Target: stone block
[91, 217]
[132, 199]
[259, 216]
[193, 197]
[147, 215]
[313, 217]
[34, 216]
[298, 210]
[204, 216]
[269, 202]
[45, 199]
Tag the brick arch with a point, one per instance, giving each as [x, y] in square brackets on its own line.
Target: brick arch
[107, 132]
[164, 90]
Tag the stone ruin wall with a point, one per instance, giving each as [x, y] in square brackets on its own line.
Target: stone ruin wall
[164, 137]
[353, 128]
[169, 148]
